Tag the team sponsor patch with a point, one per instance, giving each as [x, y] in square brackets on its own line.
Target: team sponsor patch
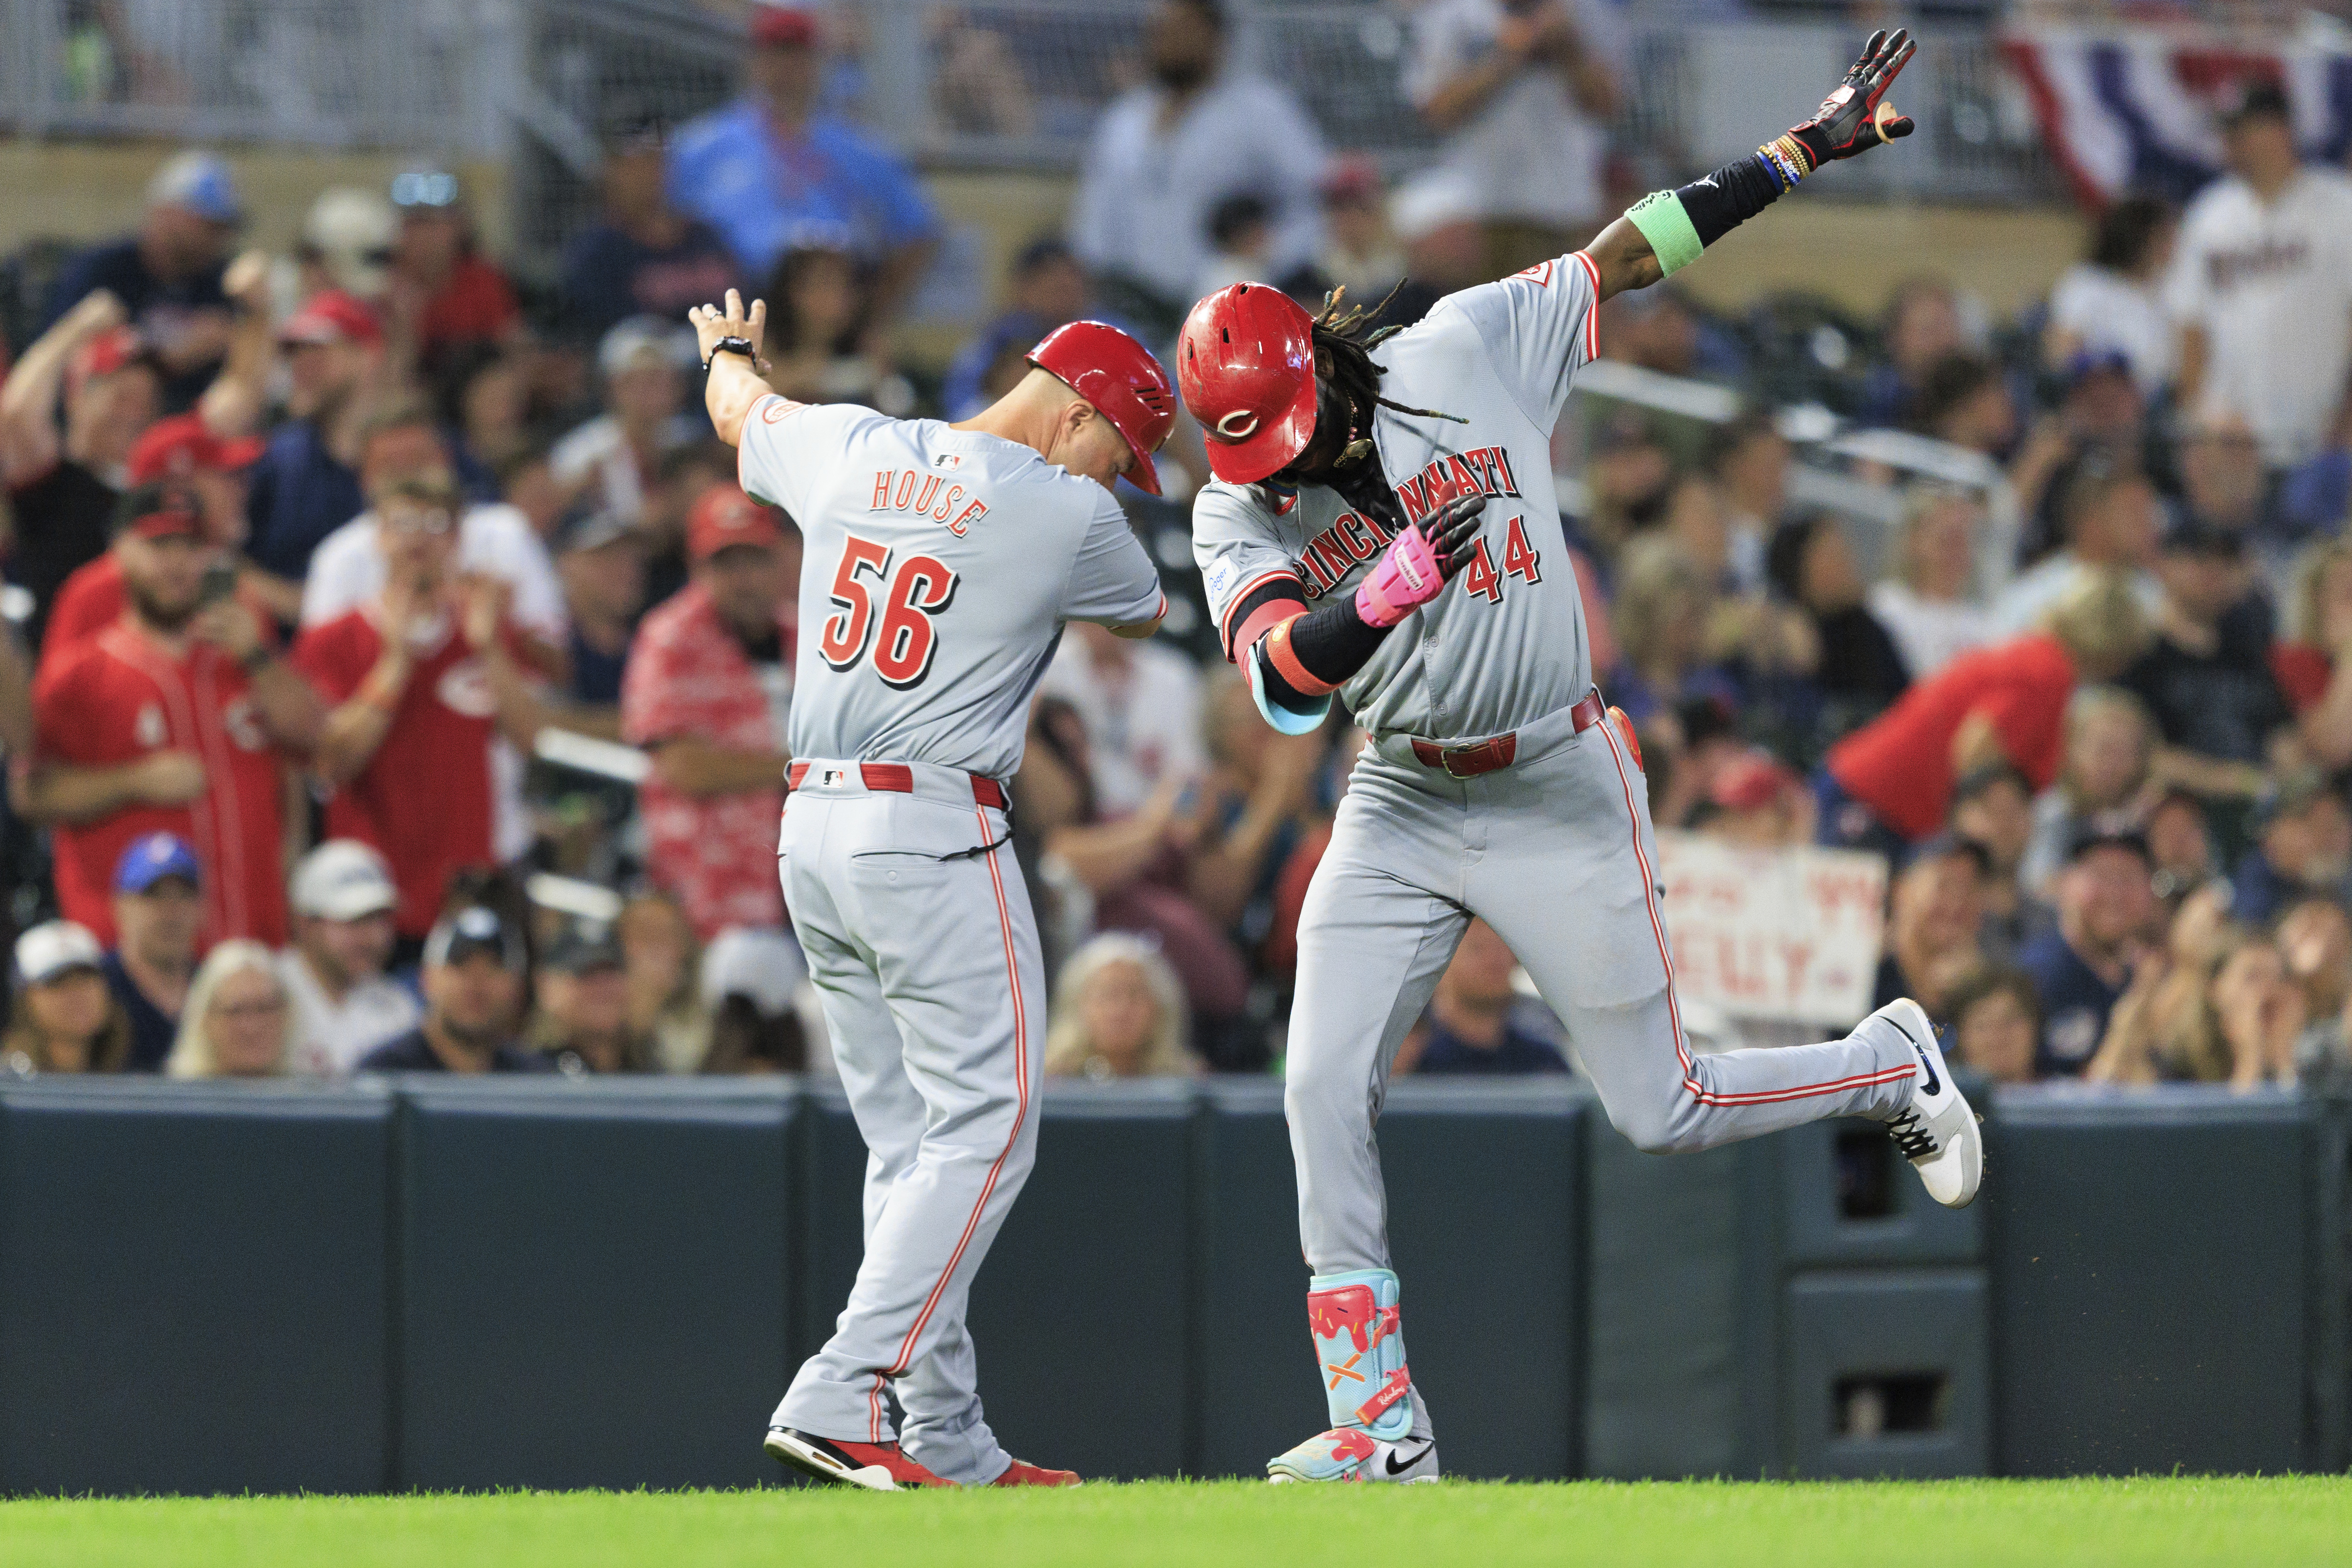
[1539, 274]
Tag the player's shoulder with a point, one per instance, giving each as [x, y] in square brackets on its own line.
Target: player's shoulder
[1223, 508]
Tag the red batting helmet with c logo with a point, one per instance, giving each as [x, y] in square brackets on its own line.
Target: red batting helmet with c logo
[1246, 363]
[1124, 383]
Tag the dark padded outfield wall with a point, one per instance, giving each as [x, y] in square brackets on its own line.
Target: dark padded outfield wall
[542, 1282]
[2154, 1282]
[193, 1288]
[594, 1280]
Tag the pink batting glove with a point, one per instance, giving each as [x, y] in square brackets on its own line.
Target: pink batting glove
[1406, 578]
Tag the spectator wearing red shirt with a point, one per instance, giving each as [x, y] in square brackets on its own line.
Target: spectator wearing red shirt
[1889, 783]
[707, 689]
[444, 296]
[177, 719]
[181, 450]
[422, 678]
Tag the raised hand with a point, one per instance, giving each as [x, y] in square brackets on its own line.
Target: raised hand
[1849, 121]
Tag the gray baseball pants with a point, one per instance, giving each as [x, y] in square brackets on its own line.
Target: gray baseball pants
[925, 952]
[1556, 854]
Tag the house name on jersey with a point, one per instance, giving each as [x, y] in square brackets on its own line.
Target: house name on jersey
[919, 494]
[1354, 539]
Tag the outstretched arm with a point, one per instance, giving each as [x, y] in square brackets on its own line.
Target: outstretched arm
[1666, 230]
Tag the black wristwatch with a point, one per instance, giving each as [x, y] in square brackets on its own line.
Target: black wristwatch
[733, 346]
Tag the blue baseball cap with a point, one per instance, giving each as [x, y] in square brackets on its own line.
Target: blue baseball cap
[200, 183]
[150, 859]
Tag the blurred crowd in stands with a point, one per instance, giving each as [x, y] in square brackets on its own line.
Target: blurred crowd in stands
[342, 578]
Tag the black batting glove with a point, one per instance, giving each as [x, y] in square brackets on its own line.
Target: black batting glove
[1849, 121]
[1452, 532]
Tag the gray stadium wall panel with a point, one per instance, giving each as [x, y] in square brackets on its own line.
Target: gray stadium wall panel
[1866, 1334]
[193, 1288]
[1080, 1316]
[1487, 1230]
[1684, 1299]
[594, 1280]
[2153, 1268]
[1254, 1376]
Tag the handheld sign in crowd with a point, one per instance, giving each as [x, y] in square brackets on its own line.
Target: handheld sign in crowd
[1784, 935]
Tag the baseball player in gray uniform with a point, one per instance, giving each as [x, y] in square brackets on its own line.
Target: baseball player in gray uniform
[1383, 526]
[940, 564]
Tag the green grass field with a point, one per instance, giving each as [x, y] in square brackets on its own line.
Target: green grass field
[1956, 1524]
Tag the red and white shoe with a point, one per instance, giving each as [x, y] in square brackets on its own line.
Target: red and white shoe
[1021, 1473]
[876, 1467]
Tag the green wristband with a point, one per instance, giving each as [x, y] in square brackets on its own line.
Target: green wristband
[1660, 217]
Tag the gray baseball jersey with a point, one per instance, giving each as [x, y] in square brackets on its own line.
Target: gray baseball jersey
[939, 567]
[1506, 643]
[1555, 851]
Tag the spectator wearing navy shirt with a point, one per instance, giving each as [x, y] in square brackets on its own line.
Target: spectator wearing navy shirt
[159, 913]
[642, 257]
[307, 484]
[473, 979]
[1049, 289]
[168, 275]
[1468, 1029]
[601, 560]
[2303, 846]
[773, 162]
[2106, 908]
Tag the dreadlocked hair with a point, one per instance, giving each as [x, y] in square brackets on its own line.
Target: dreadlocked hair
[1344, 339]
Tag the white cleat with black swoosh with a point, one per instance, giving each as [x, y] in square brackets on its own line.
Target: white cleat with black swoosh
[1351, 1454]
[1938, 1132]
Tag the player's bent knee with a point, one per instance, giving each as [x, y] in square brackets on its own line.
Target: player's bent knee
[1651, 1128]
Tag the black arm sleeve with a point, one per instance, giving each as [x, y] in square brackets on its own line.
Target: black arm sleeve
[1332, 642]
[1728, 197]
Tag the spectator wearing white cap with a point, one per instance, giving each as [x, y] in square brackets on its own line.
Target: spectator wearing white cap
[63, 1018]
[168, 275]
[343, 1006]
[236, 1023]
[752, 983]
[613, 459]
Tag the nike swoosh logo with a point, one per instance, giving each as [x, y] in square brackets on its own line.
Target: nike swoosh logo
[1927, 1063]
[1394, 1454]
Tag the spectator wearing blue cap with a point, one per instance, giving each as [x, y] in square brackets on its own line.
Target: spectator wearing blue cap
[444, 295]
[473, 980]
[168, 276]
[159, 913]
[773, 161]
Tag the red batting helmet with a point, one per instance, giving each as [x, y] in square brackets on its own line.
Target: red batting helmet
[1246, 361]
[1124, 383]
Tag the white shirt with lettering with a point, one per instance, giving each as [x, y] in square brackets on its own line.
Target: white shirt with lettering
[2271, 284]
[329, 1038]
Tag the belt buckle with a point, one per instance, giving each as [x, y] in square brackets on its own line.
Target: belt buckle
[1463, 753]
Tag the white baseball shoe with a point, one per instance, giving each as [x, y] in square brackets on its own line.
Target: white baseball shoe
[1351, 1454]
[1938, 1132]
